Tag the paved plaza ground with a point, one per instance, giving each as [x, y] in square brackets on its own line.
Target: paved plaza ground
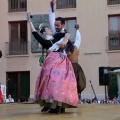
[16, 111]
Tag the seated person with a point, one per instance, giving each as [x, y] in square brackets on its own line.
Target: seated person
[10, 99]
[30, 100]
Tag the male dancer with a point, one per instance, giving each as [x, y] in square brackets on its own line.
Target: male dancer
[58, 26]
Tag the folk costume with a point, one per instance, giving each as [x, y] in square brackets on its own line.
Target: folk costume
[73, 56]
[56, 82]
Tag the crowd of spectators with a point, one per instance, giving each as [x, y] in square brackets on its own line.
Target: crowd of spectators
[97, 101]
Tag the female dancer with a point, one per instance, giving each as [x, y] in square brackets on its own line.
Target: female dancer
[56, 82]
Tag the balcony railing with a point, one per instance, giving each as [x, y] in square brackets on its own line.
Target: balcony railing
[17, 5]
[113, 41]
[113, 2]
[13, 48]
[63, 4]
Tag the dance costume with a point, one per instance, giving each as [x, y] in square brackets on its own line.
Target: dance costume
[53, 82]
[56, 81]
[80, 76]
[48, 42]
[73, 56]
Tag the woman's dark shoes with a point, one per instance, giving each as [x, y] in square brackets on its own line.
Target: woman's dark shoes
[52, 110]
[62, 110]
[46, 107]
[58, 109]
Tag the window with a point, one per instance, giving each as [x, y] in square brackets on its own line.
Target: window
[70, 24]
[114, 33]
[112, 2]
[18, 38]
[17, 5]
[62, 4]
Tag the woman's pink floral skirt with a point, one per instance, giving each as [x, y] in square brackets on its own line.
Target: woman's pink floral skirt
[57, 81]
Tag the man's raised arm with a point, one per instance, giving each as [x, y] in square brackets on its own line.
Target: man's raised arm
[52, 16]
[77, 37]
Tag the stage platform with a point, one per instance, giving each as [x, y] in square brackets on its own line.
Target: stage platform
[83, 112]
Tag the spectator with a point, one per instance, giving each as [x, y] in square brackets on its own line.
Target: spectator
[88, 100]
[94, 101]
[102, 102]
[115, 101]
[10, 99]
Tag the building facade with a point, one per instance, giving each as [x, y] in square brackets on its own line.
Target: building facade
[99, 26]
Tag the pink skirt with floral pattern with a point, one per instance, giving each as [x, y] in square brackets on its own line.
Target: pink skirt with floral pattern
[57, 81]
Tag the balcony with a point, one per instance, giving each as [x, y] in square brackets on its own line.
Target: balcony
[113, 2]
[113, 42]
[64, 4]
[14, 48]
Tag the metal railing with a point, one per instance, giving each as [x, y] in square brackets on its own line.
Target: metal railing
[63, 4]
[113, 42]
[113, 2]
[15, 48]
[17, 5]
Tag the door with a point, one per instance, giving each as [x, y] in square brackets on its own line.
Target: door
[113, 86]
[18, 85]
[12, 85]
[24, 85]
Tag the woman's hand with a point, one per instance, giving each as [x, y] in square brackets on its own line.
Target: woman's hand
[29, 16]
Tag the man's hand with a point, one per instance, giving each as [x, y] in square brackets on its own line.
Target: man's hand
[54, 2]
[62, 46]
[48, 51]
[77, 26]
